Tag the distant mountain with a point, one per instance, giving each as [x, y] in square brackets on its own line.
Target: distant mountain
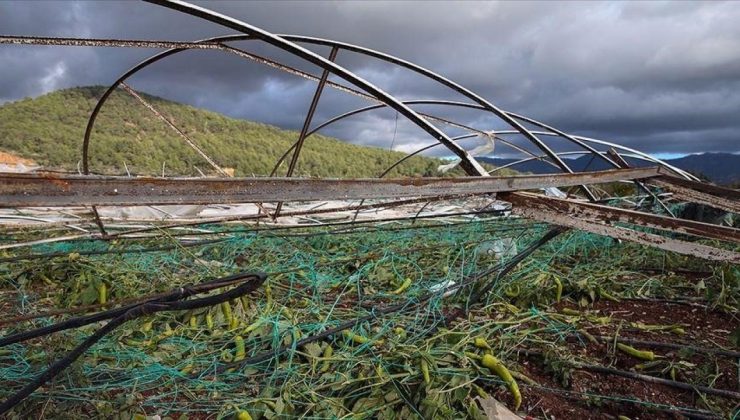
[720, 168]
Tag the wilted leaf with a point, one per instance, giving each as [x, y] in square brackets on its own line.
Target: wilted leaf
[313, 349]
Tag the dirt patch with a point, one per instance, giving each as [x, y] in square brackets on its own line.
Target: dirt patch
[11, 159]
[590, 395]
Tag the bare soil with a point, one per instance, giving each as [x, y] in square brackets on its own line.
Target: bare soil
[11, 159]
[591, 395]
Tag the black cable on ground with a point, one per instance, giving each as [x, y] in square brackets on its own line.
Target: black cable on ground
[181, 293]
[250, 283]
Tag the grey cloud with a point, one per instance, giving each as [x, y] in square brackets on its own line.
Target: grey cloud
[656, 76]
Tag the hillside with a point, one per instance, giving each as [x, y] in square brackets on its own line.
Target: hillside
[49, 130]
[720, 168]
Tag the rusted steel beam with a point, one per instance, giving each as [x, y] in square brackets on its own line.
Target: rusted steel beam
[307, 123]
[573, 217]
[617, 158]
[607, 214]
[697, 192]
[174, 128]
[713, 190]
[620, 162]
[97, 42]
[46, 190]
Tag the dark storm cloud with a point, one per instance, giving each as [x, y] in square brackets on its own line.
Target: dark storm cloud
[658, 76]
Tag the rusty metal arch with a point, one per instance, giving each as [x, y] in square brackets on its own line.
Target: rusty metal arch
[284, 43]
[581, 141]
[104, 98]
[153, 59]
[484, 105]
[569, 153]
[157, 57]
[167, 53]
[467, 162]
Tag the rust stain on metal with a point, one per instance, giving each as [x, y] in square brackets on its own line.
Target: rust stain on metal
[722, 198]
[546, 211]
[617, 215]
[28, 190]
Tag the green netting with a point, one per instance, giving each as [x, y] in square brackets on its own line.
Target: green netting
[169, 364]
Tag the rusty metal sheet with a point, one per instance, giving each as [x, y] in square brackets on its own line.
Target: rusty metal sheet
[46, 190]
[534, 209]
[697, 192]
[613, 214]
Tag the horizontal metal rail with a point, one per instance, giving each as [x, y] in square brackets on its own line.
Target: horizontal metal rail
[698, 192]
[617, 215]
[98, 42]
[46, 190]
[598, 219]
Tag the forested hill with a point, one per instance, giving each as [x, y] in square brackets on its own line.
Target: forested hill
[49, 130]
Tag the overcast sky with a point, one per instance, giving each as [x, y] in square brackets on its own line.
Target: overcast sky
[663, 77]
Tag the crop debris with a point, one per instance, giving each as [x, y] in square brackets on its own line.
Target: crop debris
[436, 297]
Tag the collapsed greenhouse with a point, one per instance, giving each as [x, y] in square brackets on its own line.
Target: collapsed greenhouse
[461, 295]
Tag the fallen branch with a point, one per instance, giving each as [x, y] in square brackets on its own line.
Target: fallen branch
[645, 378]
[674, 346]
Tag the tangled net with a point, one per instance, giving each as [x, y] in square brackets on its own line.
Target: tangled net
[426, 317]
[249, 354]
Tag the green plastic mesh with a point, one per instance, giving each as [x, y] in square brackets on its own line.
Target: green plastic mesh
[318, 278]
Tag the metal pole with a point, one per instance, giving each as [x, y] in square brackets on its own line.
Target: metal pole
[307, 122]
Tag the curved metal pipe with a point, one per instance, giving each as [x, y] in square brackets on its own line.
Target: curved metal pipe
[275, 40]
[360, 50]
[99, 105]
[440, 79]
[643, 156]
[103, 99]
[413, 102]
[579, 140]
[466, 161]
[471, 106]
[157, 57]
[571, 153]
[637, 152]
[566, 136]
